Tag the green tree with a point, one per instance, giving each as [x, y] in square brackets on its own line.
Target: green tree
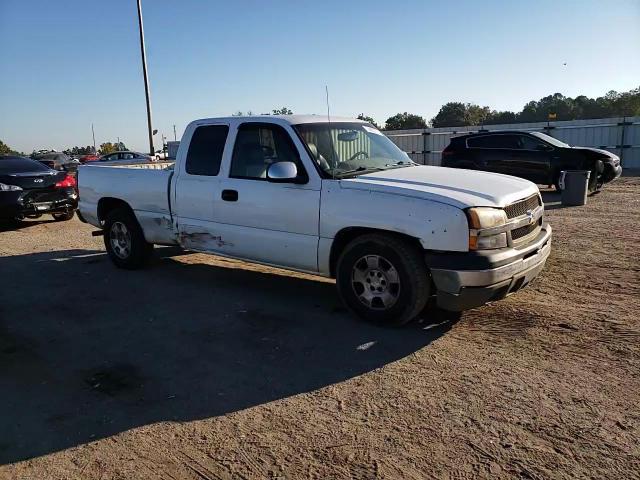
[496, 118]
[405, 121]
[4, 148]
[107, 148]
[366, 118]
[282, 111]
[451, 114]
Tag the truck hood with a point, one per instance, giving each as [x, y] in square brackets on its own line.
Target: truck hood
[453, 186]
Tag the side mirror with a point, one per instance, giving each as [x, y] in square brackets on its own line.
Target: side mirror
[282, 172]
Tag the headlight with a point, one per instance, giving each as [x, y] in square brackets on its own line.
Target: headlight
[9, 188]
[483, 218]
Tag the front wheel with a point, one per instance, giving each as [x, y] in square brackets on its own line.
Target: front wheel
[383, 279]
[124, 240]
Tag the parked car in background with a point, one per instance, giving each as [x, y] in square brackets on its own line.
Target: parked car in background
[57, 161]
[126, 155]
[532, 155]
[91, 157]
[29, 188]
[336, 199]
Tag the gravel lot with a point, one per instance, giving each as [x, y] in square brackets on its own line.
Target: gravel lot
[206, 368]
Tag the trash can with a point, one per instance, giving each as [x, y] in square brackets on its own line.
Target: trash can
[574, 185]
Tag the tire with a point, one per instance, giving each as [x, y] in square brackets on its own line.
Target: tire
[124, 240]
[63, 217]
[395, 274]
[556, 182]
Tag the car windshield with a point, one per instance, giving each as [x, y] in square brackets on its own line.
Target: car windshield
[20, 165]
[345, 148]
[549, 139]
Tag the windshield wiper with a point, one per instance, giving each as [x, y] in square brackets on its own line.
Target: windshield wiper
[402, 163]
[360, 169]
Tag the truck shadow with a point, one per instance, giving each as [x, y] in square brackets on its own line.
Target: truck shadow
[87, 350]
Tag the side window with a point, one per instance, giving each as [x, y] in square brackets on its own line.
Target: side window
[494, 141]
[205, 150]
[487, 141]
[259, 145]
[529, 143]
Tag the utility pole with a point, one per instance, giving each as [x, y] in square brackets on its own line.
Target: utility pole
[94, 139]
[175, 138]
[146, 79]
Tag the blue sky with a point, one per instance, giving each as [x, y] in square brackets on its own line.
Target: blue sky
[65, 64]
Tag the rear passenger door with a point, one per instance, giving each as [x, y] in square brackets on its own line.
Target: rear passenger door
[494, 152]
[533, 159]
[196, 186]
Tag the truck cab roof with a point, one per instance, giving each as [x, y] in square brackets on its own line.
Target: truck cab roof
[280, 119]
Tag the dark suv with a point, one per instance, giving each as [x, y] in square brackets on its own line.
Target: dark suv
[534, 156]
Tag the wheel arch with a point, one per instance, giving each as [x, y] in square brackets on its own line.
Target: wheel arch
[106, 205]
[348, 234]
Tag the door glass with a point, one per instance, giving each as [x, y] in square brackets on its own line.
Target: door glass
[258, 146]
[494, 141]
[205, 150]
[528, 143]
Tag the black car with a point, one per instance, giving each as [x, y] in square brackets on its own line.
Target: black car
[30, 189]
[57, 161]
[534, 156]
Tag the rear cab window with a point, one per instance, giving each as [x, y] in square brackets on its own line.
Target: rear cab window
[205, 150]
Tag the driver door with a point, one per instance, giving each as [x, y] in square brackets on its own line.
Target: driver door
[259, 220]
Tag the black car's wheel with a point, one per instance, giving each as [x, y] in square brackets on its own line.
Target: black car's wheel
[383, 279]
[556, 183]
[63, 217]
[124, 240]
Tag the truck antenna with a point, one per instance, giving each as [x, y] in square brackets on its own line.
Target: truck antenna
[326, 91]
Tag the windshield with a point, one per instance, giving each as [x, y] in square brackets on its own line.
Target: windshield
[550, 139]
[342, 148]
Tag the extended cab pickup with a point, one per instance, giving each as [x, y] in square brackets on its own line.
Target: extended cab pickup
[334, 198]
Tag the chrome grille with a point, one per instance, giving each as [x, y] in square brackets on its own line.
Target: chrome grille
[520, 208]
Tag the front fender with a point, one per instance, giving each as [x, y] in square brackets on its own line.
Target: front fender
[437, 226]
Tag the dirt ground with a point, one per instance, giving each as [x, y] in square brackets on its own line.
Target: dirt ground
[205, 368]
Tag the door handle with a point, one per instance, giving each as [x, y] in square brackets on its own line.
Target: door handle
[230, 195]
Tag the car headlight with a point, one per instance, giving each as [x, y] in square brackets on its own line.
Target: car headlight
[9, 188]
[482, 219]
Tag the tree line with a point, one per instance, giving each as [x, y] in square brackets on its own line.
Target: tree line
[105, 148]
[459, 114]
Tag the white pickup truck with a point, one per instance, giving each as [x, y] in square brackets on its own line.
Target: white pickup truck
[334, 198]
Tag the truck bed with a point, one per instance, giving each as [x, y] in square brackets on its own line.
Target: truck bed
[142, 185]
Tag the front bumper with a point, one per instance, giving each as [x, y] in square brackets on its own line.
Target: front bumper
[461, 285]
[611, 172]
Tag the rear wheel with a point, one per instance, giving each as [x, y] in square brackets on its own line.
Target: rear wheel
[383, 279]
[124, 240]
